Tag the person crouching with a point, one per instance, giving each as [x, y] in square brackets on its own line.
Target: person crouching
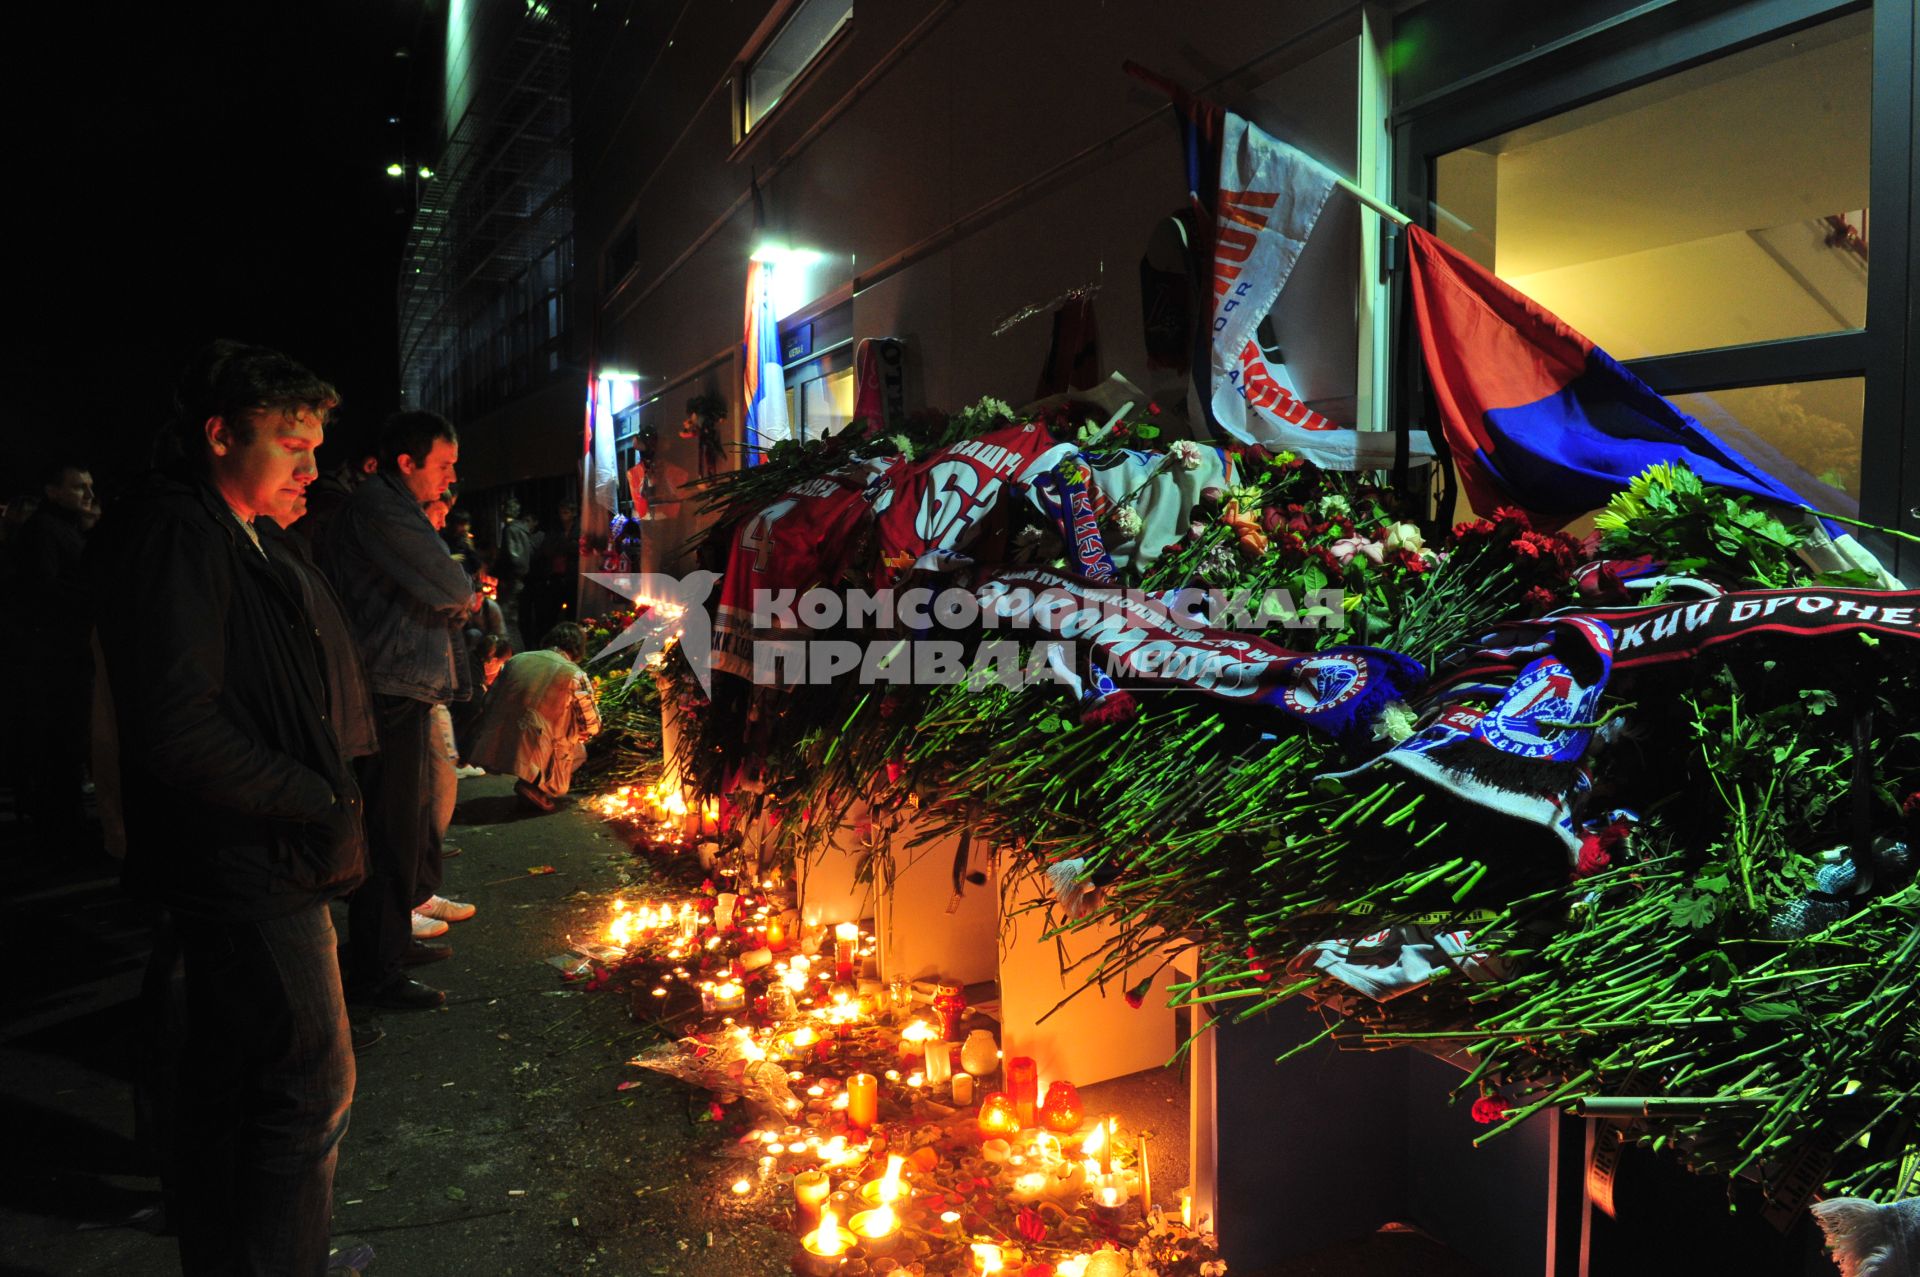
[538, 718]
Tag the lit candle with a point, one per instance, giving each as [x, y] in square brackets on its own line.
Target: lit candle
[887, 1189]
[1023, 1084]
[826, 1246]
[963, 1088]
[998, 1115]
[863, 1099]
[987, 1259]
[916, 1038]
[776, 933]
[845, 936]
[877, 1229]
[810, 1189]
[1106, 1146]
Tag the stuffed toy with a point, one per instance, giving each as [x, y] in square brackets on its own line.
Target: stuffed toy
[1870, 1239]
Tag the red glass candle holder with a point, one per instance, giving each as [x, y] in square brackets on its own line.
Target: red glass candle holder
[1023, 1086]
[1062, 1111]
[998, 1116]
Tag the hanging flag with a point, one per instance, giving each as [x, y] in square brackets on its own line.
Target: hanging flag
[880, 383]
[765, 384]
[1538, 416]
[1258, 199]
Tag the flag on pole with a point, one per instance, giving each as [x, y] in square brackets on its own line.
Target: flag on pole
[765, 384]
[1538, 416]
[1257, 199]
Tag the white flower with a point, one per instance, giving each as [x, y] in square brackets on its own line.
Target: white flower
[1397, 721]
[1126, 523]
[1405, 536]
[1186, 454]
[1333, 504]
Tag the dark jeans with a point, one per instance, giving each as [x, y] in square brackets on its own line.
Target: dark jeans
[403, 847]
[265, 1083]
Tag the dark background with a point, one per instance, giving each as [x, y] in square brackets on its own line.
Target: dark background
[186, 172]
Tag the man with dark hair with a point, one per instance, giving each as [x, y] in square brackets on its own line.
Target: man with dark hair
[53, 670]
[539, 715]
[406, 599]
[511, 565]
[240, 809]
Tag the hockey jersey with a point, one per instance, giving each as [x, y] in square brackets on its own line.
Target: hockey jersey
[800, 541]
[948, 510]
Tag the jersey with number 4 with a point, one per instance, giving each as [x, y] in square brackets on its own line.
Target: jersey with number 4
[796, 543]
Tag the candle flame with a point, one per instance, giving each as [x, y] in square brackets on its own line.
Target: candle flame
[890, 1182]
[827, 1239]
[986, 1258]
[1096, 1141]
[918, 1031]
[880, 1222]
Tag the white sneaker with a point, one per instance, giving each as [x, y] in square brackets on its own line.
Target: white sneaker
[445, 910]
[467, 771]
[426, 928]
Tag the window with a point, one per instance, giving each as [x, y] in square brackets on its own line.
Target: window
[820, 395]
[809, 28]
[1691, 190]
[1716, 207]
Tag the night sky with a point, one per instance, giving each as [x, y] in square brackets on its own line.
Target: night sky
[185, 172]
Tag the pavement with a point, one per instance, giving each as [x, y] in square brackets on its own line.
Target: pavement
[488, 1136]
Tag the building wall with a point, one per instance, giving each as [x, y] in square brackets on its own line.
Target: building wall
[955, 165]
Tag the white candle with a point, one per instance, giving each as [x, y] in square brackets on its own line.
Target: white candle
[963, 1088]
[939, 1063]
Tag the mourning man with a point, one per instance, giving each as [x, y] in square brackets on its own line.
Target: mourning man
[241, 812]
[539, 715]
[406, 599]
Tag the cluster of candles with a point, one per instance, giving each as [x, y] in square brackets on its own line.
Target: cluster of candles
[1041, 1142]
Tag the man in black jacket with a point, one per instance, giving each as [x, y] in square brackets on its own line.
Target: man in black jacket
[241, 811]
[54, 669]
[406, 599]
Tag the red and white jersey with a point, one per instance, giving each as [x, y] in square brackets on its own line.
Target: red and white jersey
[947, 509]
[796, 543]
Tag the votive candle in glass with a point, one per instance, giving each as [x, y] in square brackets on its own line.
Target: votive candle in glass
[845, 937]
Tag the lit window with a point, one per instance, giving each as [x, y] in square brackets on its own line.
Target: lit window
[1720, 206]
[807, 30]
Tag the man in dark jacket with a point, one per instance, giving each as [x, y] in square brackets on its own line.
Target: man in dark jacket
[405, 598]
[54, 669]
[241, 811]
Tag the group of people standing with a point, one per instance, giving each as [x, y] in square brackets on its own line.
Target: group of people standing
[277, 680]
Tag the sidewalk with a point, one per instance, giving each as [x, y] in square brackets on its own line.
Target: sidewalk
[487, 1137]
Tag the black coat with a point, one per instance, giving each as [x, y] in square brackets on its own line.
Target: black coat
[238, 802]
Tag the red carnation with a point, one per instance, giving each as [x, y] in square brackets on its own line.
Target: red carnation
[1489, 1109]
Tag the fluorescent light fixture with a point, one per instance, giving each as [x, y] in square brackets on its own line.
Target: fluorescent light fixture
[785, 255]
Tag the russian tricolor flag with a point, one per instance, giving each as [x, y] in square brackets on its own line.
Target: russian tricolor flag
[764, 385]
[1538, 416]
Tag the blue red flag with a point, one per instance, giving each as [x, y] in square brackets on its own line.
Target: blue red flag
[1538, 416]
